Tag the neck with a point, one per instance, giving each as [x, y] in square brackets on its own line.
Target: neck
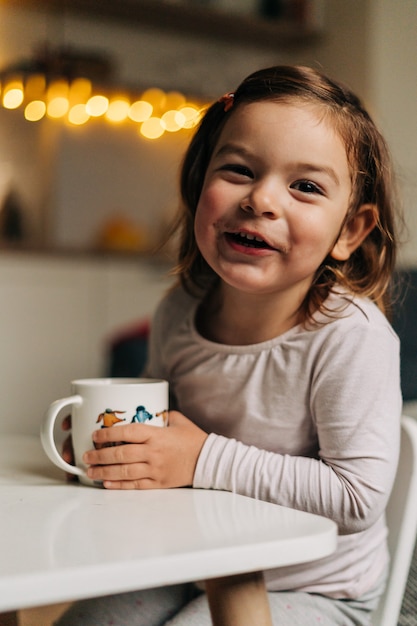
[232, 317]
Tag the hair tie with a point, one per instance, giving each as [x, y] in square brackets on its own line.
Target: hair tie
[228, 100]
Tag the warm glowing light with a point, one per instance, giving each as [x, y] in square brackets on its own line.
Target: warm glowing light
[57, 89]
[57, 107]
[13, 99]
[174, 100]
[78, 115]
[35, 87]
[140, 111]
[156, 97]
[173, 121]
[80, 91]
[13, 94]
[192, 116]
[155, 111]
[35, 110]
[97, 105]
[180, 119]
[152, 128]
[118, 110]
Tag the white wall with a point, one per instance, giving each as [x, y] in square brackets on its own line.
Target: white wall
[102, 172]
[393, 80]
[57, 316]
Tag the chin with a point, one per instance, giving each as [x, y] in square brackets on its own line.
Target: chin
[250, 287]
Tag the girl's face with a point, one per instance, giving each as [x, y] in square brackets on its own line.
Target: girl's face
[274, 199]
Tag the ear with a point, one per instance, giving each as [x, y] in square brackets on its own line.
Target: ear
[355, 232]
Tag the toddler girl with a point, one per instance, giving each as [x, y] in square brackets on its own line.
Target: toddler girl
[283, 368]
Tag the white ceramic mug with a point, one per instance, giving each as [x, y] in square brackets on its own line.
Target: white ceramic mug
[105, 403]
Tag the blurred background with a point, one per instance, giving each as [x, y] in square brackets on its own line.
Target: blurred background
[85, 200]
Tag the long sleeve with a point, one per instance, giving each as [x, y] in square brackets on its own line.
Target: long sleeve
[355, 406]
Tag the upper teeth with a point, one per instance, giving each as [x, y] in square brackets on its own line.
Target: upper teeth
[250, 237]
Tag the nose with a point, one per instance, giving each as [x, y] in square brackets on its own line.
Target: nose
[263, 199]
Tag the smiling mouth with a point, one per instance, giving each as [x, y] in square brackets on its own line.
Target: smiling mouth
[249, 241]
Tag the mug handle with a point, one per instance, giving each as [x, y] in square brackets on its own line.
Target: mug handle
[47, 434]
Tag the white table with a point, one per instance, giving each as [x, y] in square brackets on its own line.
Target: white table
[61, 542]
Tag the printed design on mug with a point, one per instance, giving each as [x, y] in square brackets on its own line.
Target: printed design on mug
[164, 415]
[109, 418]
[142, 415]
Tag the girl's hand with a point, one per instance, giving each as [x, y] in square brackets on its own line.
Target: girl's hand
[151, 457]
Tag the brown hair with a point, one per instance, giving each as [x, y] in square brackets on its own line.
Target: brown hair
[369, 269]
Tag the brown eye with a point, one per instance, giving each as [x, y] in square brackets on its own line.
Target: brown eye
[306, 186]
[241, 170]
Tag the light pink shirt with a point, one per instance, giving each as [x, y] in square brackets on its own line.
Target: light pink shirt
[309, 420]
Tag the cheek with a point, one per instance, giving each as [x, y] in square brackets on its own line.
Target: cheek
[319, 231]
[210, 202]
[207, 214]
[307, 231]
[202, 226]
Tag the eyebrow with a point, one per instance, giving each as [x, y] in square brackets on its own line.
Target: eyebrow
[320, 169]
[231, 147]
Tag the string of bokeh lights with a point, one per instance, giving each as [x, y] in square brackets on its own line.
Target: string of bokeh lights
[78, 101]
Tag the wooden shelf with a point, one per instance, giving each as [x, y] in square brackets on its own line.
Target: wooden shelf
[186, 19]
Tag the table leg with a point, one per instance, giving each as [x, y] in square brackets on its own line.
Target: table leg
[9, 619]
[239, 600]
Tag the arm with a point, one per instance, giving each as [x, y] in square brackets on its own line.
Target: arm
[355, 403]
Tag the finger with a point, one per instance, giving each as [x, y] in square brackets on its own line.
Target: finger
[67, 451]
[66, 423]
[125, 472]
[143, 483]
[116, 455]
[130, 433]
